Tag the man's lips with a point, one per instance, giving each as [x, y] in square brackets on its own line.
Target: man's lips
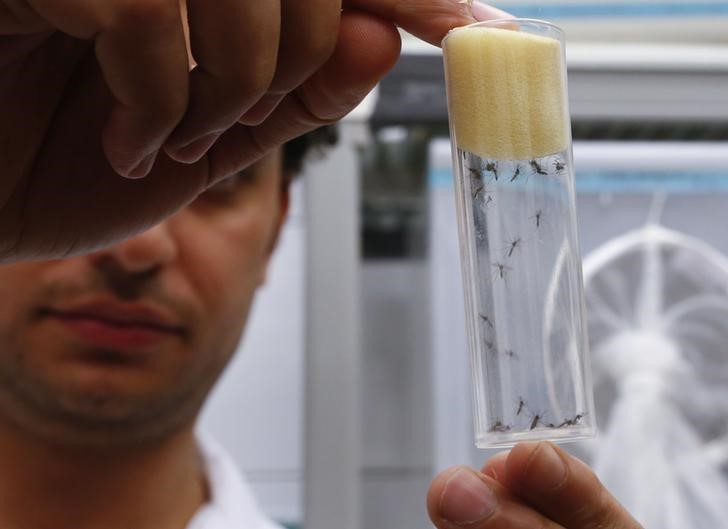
[115, 324]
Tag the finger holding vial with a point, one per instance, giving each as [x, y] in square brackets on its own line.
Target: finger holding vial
[235, 48]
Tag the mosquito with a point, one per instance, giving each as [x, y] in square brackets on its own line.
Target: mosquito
[512, 245]
[510, 353]
[572, 422]
[537, 167]
[486, 319]
[534, 422]
[502, 269]
[560, 166]
[478, 190]
[492, 167]
[537, 217]
[521, 405]
[516, 174]
[498, 426]
[475, 173]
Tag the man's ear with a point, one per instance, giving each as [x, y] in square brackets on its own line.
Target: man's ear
[283, 205]
[284, 200]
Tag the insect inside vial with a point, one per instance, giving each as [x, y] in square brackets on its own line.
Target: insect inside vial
[486, 319]
[475, 173]
[516, 173]
[537, 167]
[510, 353]
[560, 166]
[537, 218]
[498, 426]
[492, 167]
[572, 422]
[521, 405]
[534, 422]
[478, 189]
[512, 245]
[502, 269]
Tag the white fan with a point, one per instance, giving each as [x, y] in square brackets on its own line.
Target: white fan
[657, 303]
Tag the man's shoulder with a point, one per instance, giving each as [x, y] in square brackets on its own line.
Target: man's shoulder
[231, 503]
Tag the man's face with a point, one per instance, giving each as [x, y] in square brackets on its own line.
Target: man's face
[128, 341]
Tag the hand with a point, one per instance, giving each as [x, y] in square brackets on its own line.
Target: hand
[91, 88]
[535, 485]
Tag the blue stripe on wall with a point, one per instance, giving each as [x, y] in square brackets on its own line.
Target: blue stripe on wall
[695, 182]
[440, 179]
[698, 182]
[616, 9]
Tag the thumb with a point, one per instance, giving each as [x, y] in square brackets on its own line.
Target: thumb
[429, 20]
[463, 498]
[460, 496]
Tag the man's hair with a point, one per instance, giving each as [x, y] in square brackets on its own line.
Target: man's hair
[297, 150]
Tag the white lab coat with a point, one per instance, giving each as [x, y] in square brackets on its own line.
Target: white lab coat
[231, 505]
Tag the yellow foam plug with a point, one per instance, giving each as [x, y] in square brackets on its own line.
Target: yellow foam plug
[507, 98]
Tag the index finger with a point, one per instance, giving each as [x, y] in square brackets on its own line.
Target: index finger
[143, 55]
[562, 488]
[429, 20]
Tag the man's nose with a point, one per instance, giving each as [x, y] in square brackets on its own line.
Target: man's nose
[147, 252]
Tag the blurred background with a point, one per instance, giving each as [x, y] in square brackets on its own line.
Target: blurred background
[351, 389]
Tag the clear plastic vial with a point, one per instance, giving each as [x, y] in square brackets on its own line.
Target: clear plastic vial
[511, 138]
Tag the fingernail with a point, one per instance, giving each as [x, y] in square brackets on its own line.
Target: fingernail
[545, 467]
[192, 152]
[482, 12]
[143, 168]
[498, 461]
[262, 109]
[466, 498]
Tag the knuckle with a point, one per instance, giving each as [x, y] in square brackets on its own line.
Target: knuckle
[160, 103]
[243, 86]
[146, 12]
[600, 513]
[160, 109]
[258, 145]
[255, 79]
[169, 106]
[238, 78]
[319, 46]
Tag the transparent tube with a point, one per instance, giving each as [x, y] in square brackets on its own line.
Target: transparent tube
[511, 138]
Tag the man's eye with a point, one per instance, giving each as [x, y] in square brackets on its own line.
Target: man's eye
[224, 186]
[228, 188]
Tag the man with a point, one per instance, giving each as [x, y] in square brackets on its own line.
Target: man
[105, 359]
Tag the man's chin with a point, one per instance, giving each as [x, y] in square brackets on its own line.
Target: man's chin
[103, 421]
[94, 414]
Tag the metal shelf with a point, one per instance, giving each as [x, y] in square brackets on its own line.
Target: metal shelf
[614, 83]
